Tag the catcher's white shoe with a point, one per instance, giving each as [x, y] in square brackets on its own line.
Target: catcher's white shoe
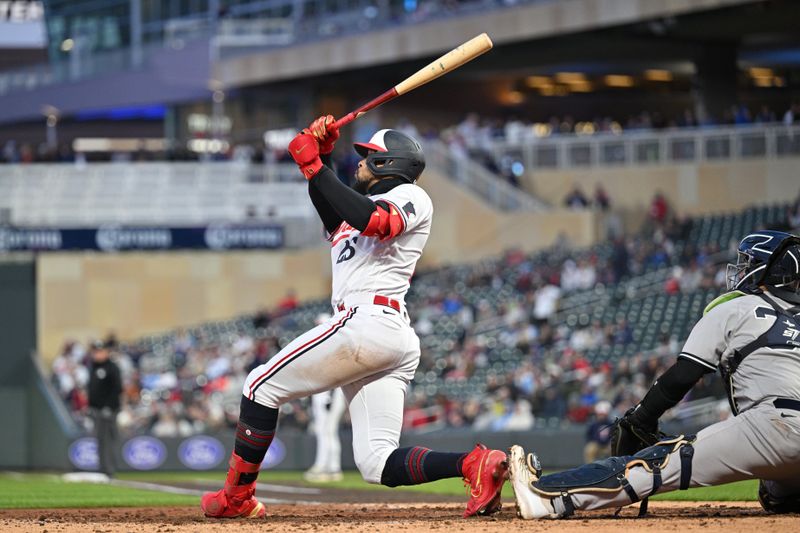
[525, 470]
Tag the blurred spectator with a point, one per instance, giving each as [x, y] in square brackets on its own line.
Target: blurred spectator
[659, 209]
[601, 199]
[792, 114]
[598, 434]
[765, 116]
[575, 199]
[793, 216]
[288, 303]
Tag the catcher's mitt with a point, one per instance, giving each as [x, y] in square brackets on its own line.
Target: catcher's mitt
[628, 435]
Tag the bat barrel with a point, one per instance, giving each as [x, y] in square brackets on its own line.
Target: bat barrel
[448, 62]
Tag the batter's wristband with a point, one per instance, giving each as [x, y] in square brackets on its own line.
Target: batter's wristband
[310, 170]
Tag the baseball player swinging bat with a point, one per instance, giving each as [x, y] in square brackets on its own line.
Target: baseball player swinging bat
[377, 231]
[450, 61]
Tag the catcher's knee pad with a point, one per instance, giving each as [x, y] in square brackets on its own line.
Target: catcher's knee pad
[610, 475]
[777, 504]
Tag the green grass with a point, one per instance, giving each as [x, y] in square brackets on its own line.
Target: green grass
[738, 491]
[31, 491]
[34, 491]
[352, 480]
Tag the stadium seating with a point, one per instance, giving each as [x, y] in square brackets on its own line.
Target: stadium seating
[637, 315]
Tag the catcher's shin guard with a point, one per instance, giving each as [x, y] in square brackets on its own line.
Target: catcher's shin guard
[610, 475]
[234, 500]
[485, 471]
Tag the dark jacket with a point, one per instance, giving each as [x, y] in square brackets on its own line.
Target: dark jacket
[105, 385]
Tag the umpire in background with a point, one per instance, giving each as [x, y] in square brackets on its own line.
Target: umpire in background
[105, 388]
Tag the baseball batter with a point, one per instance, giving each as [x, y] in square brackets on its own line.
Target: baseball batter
[752, 335]
[377, 231]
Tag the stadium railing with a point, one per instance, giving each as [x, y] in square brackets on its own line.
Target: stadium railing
[481, 181]
[654, 147]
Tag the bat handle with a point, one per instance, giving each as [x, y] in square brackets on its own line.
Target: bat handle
[347, 119]
[372, 104]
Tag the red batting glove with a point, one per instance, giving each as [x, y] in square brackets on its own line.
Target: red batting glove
[325, 131]
[304, 149]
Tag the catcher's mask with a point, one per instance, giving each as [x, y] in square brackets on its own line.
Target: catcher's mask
[393, 153]
[770, 258]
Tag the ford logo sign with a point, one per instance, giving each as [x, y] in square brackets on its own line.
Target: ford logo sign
[83, 454]
[144, 453]
[201, 452]
[275, 454]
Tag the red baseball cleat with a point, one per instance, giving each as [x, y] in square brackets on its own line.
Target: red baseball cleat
[485, 471]
[234, 501]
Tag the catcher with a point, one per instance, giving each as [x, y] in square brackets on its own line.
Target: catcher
[752, 335]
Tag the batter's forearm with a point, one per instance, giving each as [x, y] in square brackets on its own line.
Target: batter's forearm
[668, 390]
[351, 206]
[330, 218]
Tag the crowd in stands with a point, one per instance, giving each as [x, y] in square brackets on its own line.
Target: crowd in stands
[553, 382]
[476, 132]
[474, 137]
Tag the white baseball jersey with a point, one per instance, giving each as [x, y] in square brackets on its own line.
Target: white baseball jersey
[373, 266]
[370, 351]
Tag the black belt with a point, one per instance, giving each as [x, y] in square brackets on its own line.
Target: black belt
[787, 403]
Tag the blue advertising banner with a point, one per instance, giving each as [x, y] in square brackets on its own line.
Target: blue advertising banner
[121, 238]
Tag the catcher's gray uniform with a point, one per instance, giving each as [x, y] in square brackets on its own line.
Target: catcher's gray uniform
[754, 340]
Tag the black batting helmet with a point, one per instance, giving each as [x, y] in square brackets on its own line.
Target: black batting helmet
[393, 153]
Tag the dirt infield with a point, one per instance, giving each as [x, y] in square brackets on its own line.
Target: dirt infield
[384, 517]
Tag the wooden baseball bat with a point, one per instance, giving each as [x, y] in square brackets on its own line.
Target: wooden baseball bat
[447, 63]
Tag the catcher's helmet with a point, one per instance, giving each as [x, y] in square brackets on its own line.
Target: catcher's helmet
[393, 153]
[769, 258]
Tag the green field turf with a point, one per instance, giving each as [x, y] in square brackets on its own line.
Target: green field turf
[740, 491]
[39, 491]
[43, 491]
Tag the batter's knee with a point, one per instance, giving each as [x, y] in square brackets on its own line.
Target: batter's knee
[262, 392]
[371, 462]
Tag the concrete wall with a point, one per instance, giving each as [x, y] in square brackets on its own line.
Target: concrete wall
[690, 189]
[85, 295]
[465, 228]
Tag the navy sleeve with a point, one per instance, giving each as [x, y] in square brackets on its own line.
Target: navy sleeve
[351, 206]
[668, 390]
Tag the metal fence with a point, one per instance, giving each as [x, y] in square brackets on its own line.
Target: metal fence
[688, 145]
